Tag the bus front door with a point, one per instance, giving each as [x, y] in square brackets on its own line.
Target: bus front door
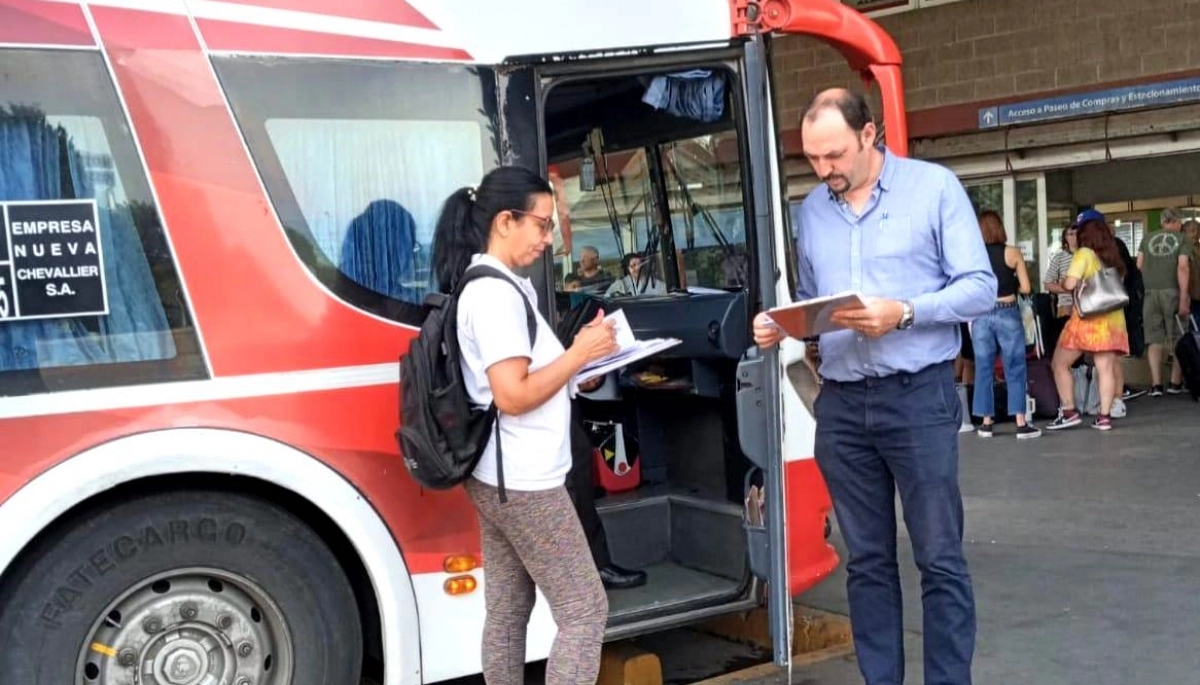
[777, 387]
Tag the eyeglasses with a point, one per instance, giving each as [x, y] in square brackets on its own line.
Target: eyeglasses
[547, 222]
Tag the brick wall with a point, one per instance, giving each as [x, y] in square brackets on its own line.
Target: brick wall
[980, 50]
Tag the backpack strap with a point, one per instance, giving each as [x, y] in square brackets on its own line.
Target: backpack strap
[484, 271]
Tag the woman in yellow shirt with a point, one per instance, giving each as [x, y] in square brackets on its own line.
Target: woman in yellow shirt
[1103, 335]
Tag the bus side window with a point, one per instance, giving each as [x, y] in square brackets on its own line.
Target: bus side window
[357, 158]
[89, 294]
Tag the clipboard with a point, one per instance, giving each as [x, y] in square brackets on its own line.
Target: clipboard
[629, 350]
[813, 317]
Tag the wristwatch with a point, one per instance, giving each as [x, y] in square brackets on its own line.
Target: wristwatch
[906, 317]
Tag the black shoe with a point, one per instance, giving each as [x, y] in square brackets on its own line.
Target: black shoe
[616, 578]
[1131, 394]
[1027, 432]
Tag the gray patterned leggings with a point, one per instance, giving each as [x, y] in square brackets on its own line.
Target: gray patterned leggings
[536, 540]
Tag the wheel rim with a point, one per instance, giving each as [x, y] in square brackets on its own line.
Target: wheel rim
[189, 627]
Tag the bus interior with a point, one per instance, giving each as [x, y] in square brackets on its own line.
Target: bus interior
[651, 167]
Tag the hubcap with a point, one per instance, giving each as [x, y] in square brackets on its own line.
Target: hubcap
[189, 627]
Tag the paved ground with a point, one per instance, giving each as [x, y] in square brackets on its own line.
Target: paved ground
[1085, 552]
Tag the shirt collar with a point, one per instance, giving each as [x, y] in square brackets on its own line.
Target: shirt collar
[889, 170]
[884, 182]
[488, 260]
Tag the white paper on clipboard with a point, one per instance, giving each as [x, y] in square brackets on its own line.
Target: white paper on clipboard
[814, 317]
[629, 350]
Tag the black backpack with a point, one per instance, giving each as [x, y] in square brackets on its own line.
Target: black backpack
[442, 433]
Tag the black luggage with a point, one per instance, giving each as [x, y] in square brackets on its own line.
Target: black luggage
[1042, 388]
[1040, 377]
[1187, 351]
[1045, 312]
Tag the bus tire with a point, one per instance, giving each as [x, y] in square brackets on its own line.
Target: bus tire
[182, 585]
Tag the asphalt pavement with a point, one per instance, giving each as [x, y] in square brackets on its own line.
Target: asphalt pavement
[1084, 548]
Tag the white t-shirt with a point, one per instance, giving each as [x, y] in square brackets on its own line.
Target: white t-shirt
[491, 328]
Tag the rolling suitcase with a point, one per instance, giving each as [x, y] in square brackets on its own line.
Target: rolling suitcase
[1040, 377]
[1187, 351]
[1042, 388]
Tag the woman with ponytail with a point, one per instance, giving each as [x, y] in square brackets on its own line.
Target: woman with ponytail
[532, 539]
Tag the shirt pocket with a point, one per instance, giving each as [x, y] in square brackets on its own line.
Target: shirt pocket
[894, 237]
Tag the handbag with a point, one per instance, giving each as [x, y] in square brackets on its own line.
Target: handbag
[1101, 293]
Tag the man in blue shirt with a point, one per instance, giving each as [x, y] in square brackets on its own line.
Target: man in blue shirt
[903, 234]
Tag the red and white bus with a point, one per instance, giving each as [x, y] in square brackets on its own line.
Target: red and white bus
[216, 219]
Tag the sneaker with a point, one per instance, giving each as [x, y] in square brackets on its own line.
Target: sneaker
[1027, 431]
[1065, 419]
[985, 430]
[1156, 391]
[1102, 423]
[1174, 389]
[1131, 394]
[1118, 411]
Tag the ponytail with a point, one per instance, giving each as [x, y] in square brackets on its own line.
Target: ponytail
[465, 222]
[455, 239]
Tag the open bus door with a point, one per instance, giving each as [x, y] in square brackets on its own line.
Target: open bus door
[768, 390]
[789, 552]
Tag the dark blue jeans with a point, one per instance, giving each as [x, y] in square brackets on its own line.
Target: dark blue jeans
[874, 438]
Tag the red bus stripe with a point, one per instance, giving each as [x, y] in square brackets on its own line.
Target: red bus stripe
[28, 22]
[227, 36]
[393, 12]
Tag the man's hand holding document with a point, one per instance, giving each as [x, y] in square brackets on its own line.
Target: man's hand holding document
[813, 317]
[629, 350]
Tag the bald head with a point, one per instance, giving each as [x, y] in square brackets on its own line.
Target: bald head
[851, 107]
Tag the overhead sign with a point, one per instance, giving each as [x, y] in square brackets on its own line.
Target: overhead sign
[51, 264]
[1095, 102]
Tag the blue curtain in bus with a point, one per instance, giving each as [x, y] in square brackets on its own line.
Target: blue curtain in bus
[380, 252]
[31, 156]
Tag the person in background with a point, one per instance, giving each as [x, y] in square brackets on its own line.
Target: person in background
[1133, 316]
[581, 481]
[534, 539]
[562, 208]
[964, 364]
[581, 484]
[1191, 229]
[1103, 335]
[1056, 273]
[590, 275]
[1164, 258]
[1001, 330]
[634, 282]
[902, 232]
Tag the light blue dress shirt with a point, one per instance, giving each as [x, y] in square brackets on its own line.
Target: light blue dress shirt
[917, 239]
